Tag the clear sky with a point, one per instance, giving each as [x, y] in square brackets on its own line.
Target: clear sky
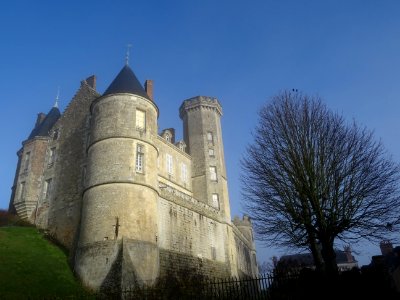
[242, 52]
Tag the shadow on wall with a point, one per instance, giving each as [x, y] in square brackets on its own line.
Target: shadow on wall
[111, 285]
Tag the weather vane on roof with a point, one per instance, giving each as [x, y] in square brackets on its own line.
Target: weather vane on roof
[128, 50]
[57, 97]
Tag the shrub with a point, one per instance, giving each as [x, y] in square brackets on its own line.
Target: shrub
[9, 219]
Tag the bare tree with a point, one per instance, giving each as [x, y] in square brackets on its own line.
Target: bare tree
[310, 178]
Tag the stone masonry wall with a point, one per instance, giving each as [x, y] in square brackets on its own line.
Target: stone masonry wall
[186, 231]
[65, 207]
[176, 264]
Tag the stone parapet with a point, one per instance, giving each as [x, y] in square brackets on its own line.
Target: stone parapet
[200, 102]
[169, 193]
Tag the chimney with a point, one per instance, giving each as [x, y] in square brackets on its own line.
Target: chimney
[91, 81]
[40, 118]
[148, 86]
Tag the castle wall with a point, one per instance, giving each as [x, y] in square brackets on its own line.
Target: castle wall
[181, 265]
[195, 236]
[179, 158]
[66, 198]
[245, 246]
[49, 174]
[246, 254]
[189, 232]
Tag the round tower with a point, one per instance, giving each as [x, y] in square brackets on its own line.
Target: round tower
[118, 234]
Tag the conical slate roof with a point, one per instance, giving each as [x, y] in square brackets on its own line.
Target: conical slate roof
[126, 82]
[45, 126]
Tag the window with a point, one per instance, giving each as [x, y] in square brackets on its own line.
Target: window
[167, 137]
[26, 160]
[213, 173]
[182, 146]
[215, 201]
[183, 172]
[139, 158]
[52, 155]
[140, 120]
[47, 188]
[55, 134]
[210, 137]
[211, 152]
[169, 164]
[21, 191]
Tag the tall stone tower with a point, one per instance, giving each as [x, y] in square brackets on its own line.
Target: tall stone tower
[203, 136]
[118, 232]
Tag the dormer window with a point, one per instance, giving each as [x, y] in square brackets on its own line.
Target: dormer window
[168, 135]
[181, 145]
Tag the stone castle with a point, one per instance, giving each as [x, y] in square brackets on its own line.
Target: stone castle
[132, 205]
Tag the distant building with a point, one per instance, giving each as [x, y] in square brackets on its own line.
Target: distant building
[388, 261]
[344, 259]
[132, 204]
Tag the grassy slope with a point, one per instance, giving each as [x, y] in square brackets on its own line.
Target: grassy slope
[31, 267]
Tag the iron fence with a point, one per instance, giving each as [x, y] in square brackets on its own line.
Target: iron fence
[265, 286]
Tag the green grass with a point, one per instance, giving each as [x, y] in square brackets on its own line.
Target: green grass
[33, 268]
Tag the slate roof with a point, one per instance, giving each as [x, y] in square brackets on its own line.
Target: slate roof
[126, 82]
[45, 126]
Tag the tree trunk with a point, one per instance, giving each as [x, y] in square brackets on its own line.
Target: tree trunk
[315, 251]
[329, 257]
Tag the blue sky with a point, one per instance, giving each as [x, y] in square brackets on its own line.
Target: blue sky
[242, 52]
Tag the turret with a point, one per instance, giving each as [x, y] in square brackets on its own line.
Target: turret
[203, 136]
[118, 237]
[26, 190]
